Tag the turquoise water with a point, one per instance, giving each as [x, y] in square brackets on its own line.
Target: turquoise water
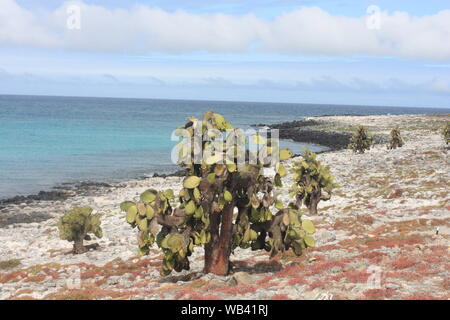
[46, 141]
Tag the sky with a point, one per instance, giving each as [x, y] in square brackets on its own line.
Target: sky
[391, 52]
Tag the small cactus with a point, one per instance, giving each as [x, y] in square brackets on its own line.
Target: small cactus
[446, 133]
[361, 141]
[313, 182]
[76, 226]
[396, 139]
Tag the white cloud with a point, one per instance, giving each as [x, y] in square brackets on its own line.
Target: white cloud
[20, 27]
[440, 86]
[309, 30]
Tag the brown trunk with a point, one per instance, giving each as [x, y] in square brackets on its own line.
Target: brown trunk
[210, 247]
[313, 203]
[218, 250]
[78, 246]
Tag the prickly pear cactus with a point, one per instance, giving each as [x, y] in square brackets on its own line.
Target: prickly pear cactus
[446, 133]
[361, 141]
[313, 182]
[222, 205]
[76, 226]
[396, 139]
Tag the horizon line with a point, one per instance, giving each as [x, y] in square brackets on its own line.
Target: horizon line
[221, 101]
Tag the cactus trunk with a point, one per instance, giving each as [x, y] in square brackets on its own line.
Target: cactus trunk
[313, 203]
[78, 246]
[217, 262]
[218, 250]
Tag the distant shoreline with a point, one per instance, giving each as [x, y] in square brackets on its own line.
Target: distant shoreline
[303, 131]
[324, 133]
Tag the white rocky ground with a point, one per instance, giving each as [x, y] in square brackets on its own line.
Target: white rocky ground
[389, 220]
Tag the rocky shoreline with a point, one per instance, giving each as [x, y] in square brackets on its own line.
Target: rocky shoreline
[318, 131]
[389, 218]
[65, 191]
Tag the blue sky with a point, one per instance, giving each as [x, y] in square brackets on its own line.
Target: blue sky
[262, 8]
[280, 51]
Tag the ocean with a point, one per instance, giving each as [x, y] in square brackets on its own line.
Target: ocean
[49, 141]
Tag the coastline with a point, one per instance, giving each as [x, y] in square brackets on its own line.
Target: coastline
[298, 131]
[314, 130]
[65, 191]
[321, 131]
[391, 210]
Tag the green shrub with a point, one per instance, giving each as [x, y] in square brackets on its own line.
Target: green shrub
[76, 226]
[396, 139]
[313, 182]
[360, 141]
[446, 133]
[9, 264]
